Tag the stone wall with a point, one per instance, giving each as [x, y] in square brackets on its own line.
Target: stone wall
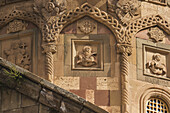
[24, 92]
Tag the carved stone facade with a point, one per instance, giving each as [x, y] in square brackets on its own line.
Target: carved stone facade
[105, 51]
[18, 55]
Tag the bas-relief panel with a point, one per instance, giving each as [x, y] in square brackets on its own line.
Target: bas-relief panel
[18, 47]
[87, 55]
[153, 62]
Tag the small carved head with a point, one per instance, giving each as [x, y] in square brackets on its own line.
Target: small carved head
[87, 50]
[156, 57]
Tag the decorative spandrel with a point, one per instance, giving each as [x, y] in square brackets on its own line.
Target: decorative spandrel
[156, 34]
[16, 25]
[87, 55]
[156, 66]
[17, 54]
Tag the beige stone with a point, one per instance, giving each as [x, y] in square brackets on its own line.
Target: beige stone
[69, 83]
[107, 83]
[90, 96]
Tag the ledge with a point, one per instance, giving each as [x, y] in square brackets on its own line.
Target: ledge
[45, 92]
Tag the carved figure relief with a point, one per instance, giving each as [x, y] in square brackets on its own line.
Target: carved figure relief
[16, 25]
[156, 66]
[156, 34]
[51, 8]
[87, 26]
[86, 57]
[127, 9]
[18, 54]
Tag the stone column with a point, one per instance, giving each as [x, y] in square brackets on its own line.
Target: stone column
[124, 51]
[49, 50]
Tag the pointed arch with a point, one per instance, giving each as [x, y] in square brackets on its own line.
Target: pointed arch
[23, 15]
[146, 22]
[98, 15]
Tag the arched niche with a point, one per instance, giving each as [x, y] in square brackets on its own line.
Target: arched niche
[21, 44]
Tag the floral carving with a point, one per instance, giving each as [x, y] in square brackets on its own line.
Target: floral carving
[156, 66]
[87, 27]
[16, 25]
[50, 8]
[127, 10]
[156, 34]
[18, 54]
[87, 57]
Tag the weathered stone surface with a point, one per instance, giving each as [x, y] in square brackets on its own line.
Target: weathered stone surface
[14, 111]
[11, 99]
[27, 101]
[30, 109]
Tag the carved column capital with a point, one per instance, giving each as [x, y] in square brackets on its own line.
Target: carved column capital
[124, 48]
[49, 47]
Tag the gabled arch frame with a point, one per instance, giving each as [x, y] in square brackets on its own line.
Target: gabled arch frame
[146, 22]
[123, 41]
[149, 91]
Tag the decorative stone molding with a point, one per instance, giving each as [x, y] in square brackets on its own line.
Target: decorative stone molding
[18, 55]
[126, 10]
[49, 49]
[147, 22]
[156, 66]
[50, 8]
[121, 48]
[87, 26]
[124, 82]
[16, 25]
[156, 34]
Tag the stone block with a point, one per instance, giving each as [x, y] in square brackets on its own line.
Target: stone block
[27, 101]
[29, 88]
[72, 83]
[80, 93]
[107, 83]
[86, 110]
[115, 98]
[14, 111]
[43, 109]
[10, 99]
[90, 96]
[102, 97]
[50, 98]
[69, 106]
[111, 109]
[87, 83]
[30, 109]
